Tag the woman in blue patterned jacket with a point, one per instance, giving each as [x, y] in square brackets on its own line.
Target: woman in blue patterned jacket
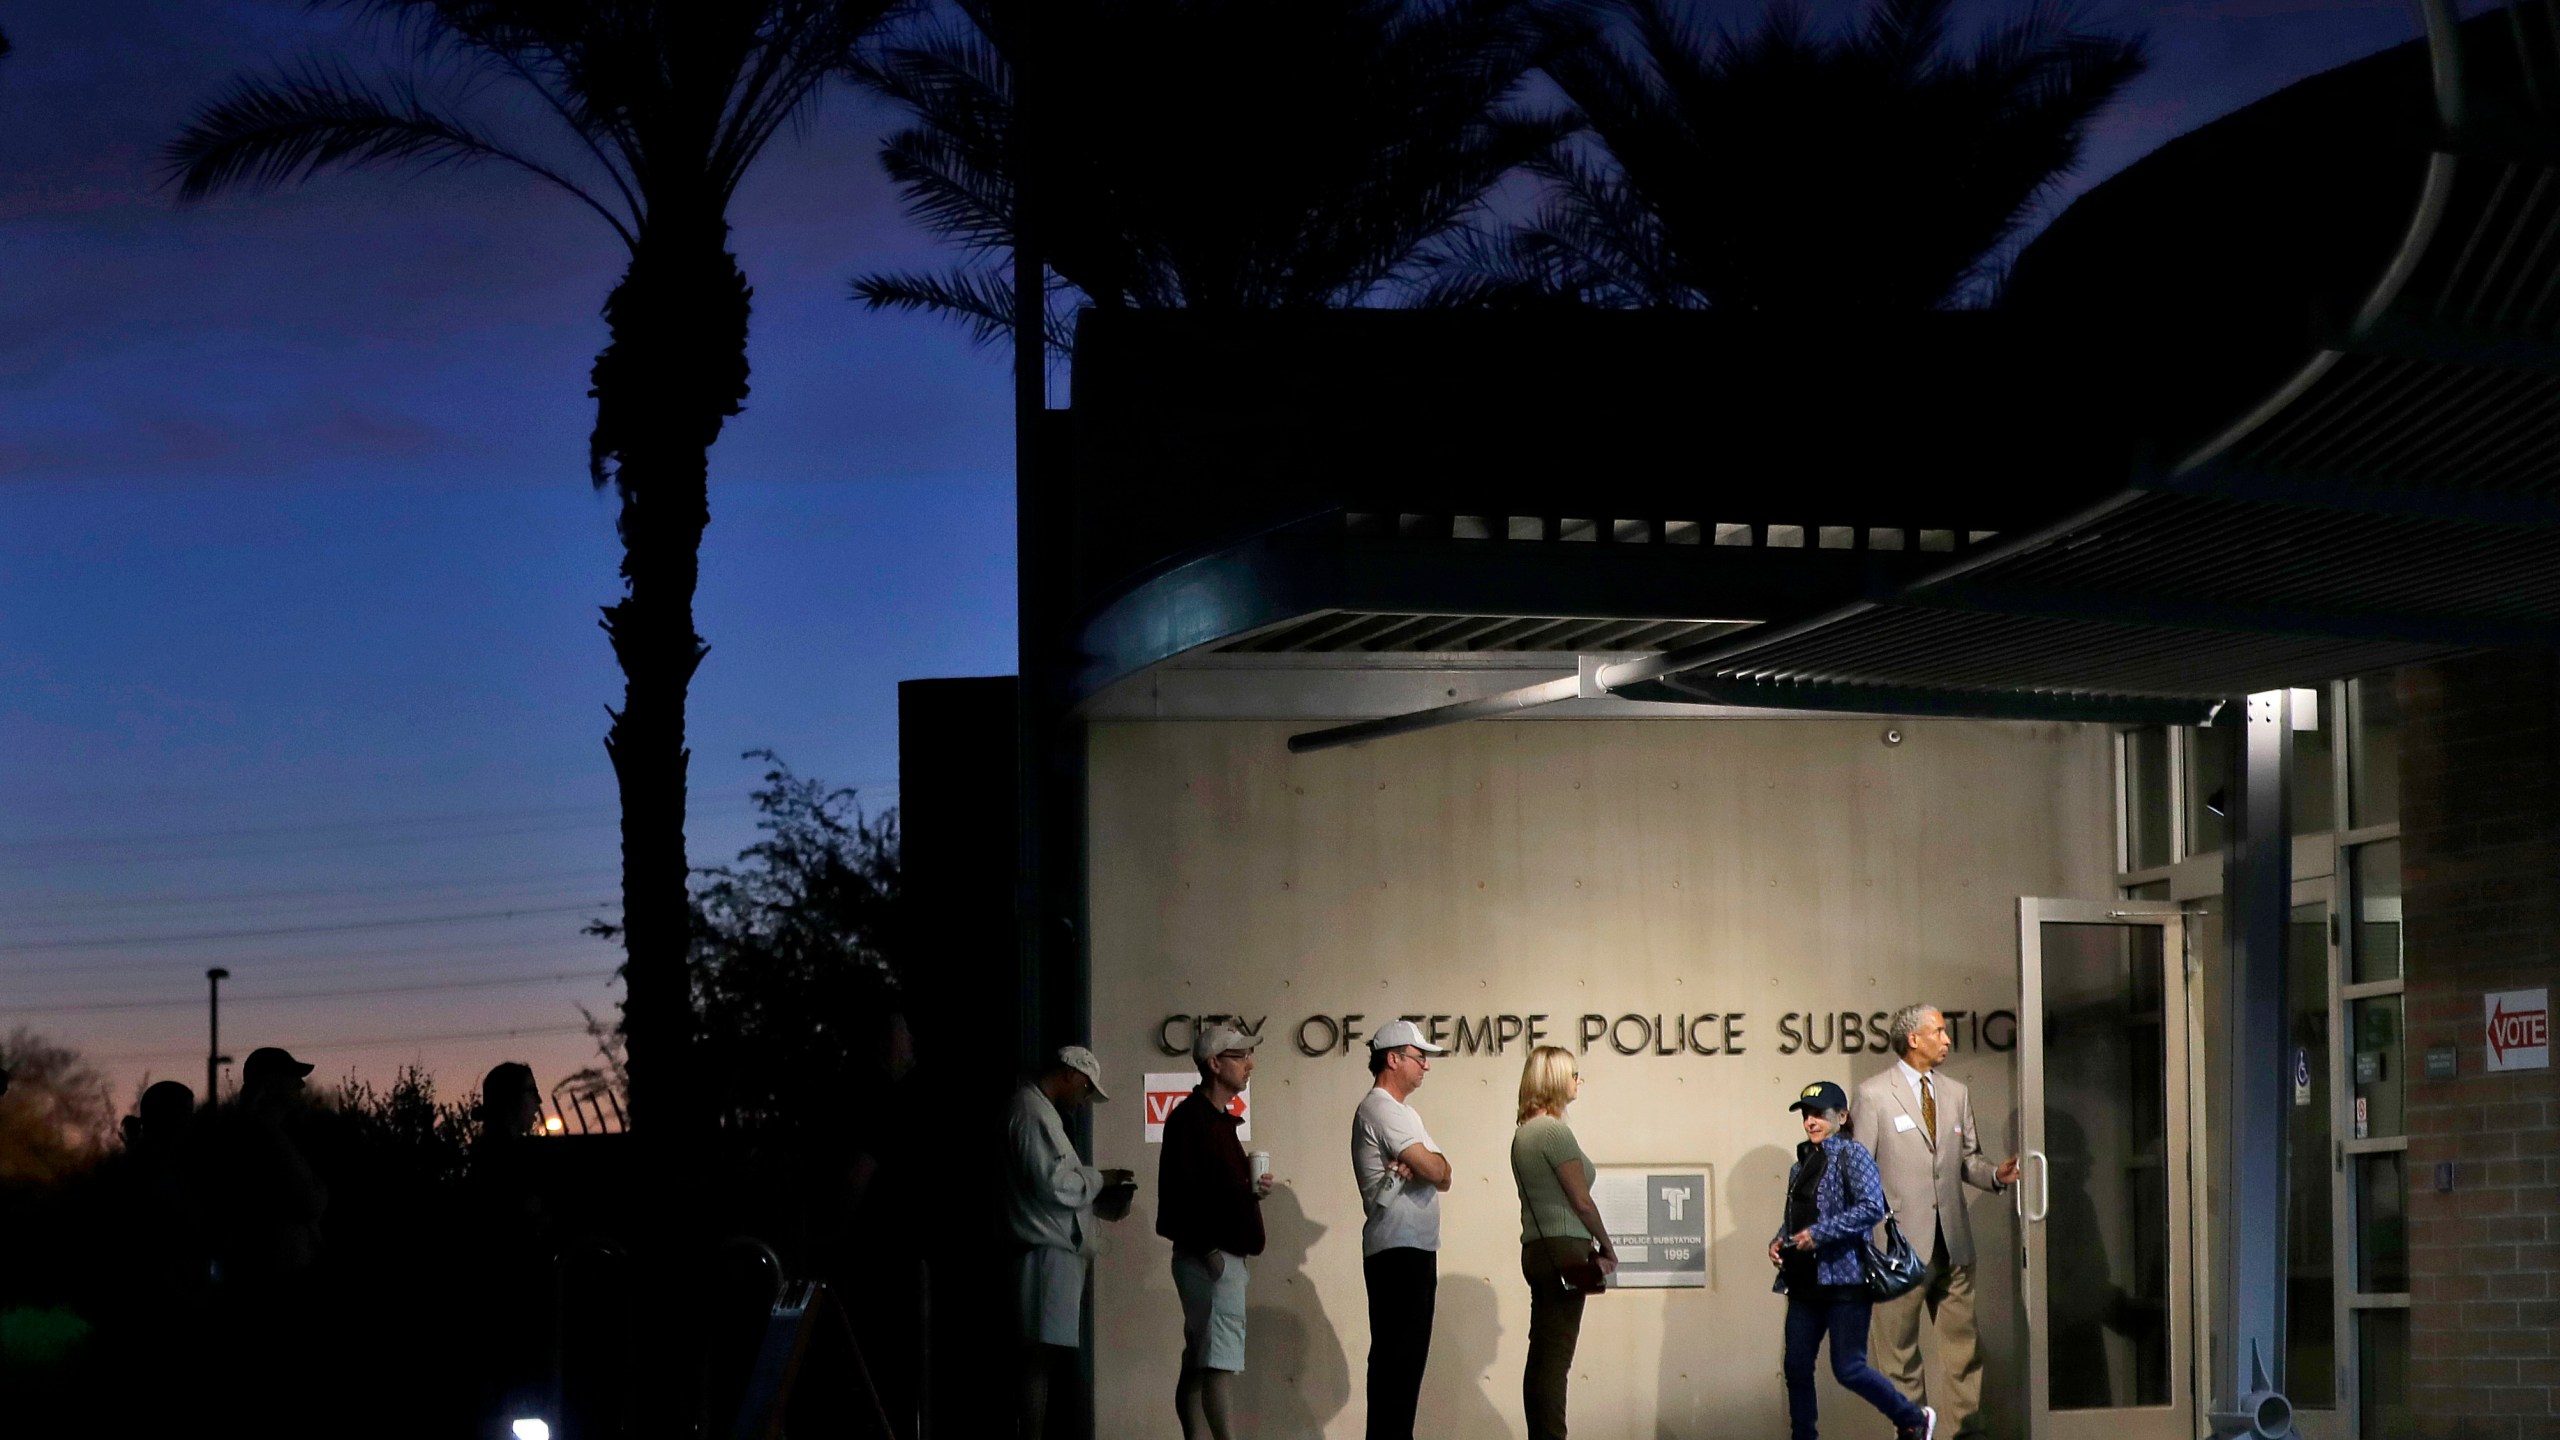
[1834, 1197]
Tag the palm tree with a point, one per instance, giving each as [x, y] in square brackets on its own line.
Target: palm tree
[651, 113]
[1214, 154]
[1780, 170]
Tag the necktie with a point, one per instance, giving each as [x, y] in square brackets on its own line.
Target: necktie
[1929, 1111]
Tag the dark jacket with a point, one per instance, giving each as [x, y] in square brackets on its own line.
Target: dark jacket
[1848, 1202]
[1204, 1189]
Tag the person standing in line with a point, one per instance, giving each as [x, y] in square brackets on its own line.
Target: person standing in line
[1402, 1175]
[1209, 1204]
[1049, 1216]
[1919, 1125]
[1833, 1199]
[1560, 1226]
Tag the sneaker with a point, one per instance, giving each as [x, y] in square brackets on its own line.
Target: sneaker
[1925, 1430]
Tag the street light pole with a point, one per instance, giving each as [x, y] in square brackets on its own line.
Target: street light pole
[213, 1056]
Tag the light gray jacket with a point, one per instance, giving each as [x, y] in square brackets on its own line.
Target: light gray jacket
[1924, 1175]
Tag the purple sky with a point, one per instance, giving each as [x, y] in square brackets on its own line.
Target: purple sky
[299, 566]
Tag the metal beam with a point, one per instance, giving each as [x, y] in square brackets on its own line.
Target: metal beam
[1527, 697]
[2348, 496]
[2176, 613]
[1697, 688]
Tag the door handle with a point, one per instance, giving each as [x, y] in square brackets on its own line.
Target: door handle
[2044, 1188]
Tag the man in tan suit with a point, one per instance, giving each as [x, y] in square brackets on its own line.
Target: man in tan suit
[1920, 1126]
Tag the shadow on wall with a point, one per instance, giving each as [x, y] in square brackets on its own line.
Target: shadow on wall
[1460, 1390]
[1740, 1313]
[1296, 1378]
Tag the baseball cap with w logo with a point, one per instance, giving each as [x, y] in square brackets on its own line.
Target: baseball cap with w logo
[1821, 1095]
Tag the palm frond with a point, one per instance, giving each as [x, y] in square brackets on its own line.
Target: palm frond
[284, 128]
[980, 297]
[1777, 167]
[1311, 166]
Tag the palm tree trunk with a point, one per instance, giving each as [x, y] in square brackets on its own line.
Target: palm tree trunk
[675, 371]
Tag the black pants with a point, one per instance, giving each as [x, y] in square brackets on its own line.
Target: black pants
[1404, 1288]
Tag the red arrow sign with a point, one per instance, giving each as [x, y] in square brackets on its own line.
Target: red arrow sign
[2517, 1029]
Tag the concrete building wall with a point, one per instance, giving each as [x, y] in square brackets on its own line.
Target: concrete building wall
[1753, 869]
[2480, 767]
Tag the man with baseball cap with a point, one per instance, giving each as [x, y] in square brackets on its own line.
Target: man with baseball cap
[1209, 1204]
[1049, 1210]
[1401, 1174]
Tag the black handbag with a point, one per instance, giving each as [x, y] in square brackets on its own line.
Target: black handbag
[1896, 1269]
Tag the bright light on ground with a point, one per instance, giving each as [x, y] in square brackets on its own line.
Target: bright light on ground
[552, 1125]
[532, 1429]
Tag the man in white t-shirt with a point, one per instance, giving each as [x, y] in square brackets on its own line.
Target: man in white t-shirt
[1401, 1175]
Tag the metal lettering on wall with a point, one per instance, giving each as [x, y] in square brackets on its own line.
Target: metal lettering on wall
[1814, 1032]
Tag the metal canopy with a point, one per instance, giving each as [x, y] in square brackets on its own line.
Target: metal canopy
[2388, 494]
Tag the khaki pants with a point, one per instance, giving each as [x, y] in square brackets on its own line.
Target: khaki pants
[1893, 1339]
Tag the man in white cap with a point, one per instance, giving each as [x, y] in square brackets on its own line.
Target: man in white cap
[1209, 1204]
[1049, 1212]
[1401, 1175]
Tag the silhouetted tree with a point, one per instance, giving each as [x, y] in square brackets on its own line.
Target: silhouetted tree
[57, 1117]
[1781, 170]
[659, 109]
[1215, 154]
[797, 955]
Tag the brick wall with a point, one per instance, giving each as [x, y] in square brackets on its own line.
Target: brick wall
[2480, 765]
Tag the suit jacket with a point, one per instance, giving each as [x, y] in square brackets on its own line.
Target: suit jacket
[1924, 1182]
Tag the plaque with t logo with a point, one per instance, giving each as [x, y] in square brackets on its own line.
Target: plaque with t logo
[1658, 1221]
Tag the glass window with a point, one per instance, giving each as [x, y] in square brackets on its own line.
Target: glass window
[2105, 1130]
[2146, 798]
[2376, 1071]
[2155, 890]
[2213, 778]
[2382, 1223]
[2315, 782]
[2373, 750]
[2374, 874]
[2310, 1324]
[2382, 1370]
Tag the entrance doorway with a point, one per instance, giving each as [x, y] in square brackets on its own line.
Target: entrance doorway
[2105, 1215]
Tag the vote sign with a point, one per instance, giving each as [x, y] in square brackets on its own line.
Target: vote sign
[2519, 1029]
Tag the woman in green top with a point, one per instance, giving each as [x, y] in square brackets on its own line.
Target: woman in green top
[1559, 1225]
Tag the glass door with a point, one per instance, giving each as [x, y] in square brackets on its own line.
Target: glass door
[2102, 1194]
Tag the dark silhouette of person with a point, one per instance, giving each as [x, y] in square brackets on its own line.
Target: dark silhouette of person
[505, 1300]
[166, 1170]
[161, 1249]
[883, 1195]
[267, 1202]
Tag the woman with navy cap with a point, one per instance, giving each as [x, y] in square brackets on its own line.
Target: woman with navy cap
[1834, 1197]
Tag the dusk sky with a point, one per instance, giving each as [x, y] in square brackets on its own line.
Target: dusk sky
[300, 568]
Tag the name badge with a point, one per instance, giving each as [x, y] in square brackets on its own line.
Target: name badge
[1904, 1122]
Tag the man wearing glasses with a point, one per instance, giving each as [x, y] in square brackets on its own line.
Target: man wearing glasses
[1401, 1175]
[1209, 1204]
